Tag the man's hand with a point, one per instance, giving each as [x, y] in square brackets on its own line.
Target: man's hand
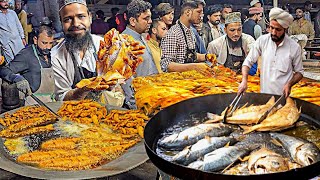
[202, 68]
[2, 60]
[287, 90]
[22, 85]
[242, 87]
[24, 42]
[211, 58]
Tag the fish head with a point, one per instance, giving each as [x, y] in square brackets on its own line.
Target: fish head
[270, 164]
[307, 154]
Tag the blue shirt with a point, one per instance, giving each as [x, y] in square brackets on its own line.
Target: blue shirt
[199, 42]
[147, 67]
[11, 34]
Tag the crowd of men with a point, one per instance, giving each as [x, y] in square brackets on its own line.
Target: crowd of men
[188, 43]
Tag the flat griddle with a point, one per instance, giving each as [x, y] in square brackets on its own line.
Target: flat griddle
[134, 157]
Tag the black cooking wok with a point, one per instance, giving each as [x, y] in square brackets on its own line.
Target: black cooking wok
[180, 114]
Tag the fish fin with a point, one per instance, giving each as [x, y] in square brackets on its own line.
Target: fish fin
[227, 145]
[276, 142]
[187, 147]
[249, 129]
[211, 121]
[246, 158]
[225, 169]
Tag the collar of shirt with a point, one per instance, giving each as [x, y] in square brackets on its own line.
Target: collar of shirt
[86, 62]
[154, 43]
[135, 35]
[41, 56]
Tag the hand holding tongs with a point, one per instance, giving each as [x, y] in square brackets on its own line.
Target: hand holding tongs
[265, 115]
[233, 104]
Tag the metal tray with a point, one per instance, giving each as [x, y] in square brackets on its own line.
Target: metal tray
[134, 157]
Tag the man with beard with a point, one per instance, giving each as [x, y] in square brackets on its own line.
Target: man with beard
[157, 31]
[211, 29]
[12, 38]
[32, 66]
[139, 21]
[22, 15]
[250, 26]
[301, 25]
[179, 46]
[232, 48]
[281, 57]
[74, 58]
[226, 9]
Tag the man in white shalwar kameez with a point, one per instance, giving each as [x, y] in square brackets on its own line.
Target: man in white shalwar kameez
[281, 65]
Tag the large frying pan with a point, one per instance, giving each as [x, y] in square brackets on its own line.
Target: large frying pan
[180, 114]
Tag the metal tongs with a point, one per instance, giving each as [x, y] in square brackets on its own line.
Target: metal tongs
[43, 104]
[265, 115]
[233, 104]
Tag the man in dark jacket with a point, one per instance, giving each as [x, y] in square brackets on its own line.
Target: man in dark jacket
[98, 25]
[250, 26]
[211, 29]
[25, 68]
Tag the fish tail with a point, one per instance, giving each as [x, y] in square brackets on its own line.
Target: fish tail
[249, 129]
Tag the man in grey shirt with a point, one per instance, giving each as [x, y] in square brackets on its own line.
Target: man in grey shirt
[12, 38]
[139, 22]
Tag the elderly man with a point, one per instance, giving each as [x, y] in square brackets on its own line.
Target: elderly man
[179, 46]
[250, 26]
[281, 57]
[301, 25]
[232, 48]
[12, 38]
[74, 58]
[157, 31]
[139, 21]
[211, 29]
[32, 66]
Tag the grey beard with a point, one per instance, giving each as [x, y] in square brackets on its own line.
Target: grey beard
[74, 43]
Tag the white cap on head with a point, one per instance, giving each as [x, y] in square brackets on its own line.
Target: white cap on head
[281, 16]
[63, 3]
[253, 2]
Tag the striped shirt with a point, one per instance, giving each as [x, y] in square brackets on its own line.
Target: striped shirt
[174, 46]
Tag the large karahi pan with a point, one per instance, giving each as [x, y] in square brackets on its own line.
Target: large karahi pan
[196, 108]
[134, 157]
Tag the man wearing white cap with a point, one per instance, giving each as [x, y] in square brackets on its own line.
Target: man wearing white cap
[232, 48]
[281, 65]
[74, 58]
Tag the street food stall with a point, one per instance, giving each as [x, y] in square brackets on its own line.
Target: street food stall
[85, 139]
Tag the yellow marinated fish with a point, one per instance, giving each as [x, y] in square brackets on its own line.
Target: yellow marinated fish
[244, 115]
[284, 118]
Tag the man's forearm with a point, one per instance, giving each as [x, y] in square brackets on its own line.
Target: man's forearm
[177, 67]
[295, 79]
[245, 72]
[75, 94]
[201, 57]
